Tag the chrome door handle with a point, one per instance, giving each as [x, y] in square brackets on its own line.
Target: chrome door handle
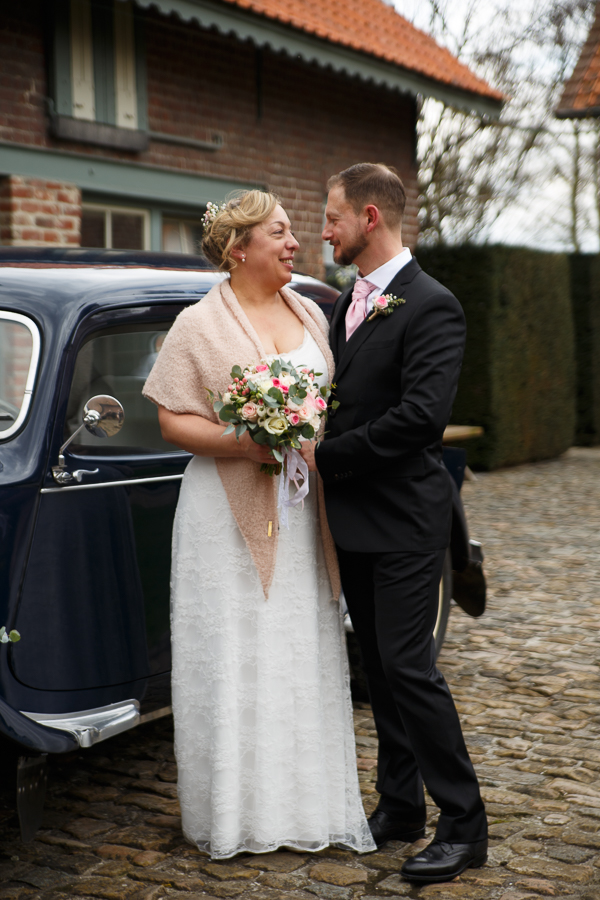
[79, 473]
[63, 476]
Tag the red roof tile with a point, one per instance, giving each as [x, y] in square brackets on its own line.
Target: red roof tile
[581, 94]
[374, 28]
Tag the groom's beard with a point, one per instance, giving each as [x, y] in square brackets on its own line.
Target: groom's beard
[345, 256]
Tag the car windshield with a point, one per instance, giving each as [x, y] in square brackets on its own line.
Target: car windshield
[19, 351]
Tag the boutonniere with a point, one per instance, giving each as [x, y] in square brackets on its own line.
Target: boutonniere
[385, 305]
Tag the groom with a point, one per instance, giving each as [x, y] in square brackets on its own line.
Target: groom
[388, 499]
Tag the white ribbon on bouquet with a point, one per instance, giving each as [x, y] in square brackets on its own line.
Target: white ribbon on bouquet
[294, 467]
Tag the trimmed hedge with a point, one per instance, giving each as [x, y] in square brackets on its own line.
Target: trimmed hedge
[518, 374]
[585, 293]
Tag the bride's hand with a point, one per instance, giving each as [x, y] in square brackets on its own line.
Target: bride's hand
[259, 453]
[307, 452]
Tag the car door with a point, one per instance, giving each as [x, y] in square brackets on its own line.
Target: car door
[95, 599]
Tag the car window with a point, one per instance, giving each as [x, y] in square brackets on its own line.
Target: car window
[19, 355]
[118, 364]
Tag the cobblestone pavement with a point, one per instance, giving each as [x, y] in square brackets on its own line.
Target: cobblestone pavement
[526, 679]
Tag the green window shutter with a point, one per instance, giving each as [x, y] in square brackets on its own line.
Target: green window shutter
[104, 61]
[61, 59]
[140, 71]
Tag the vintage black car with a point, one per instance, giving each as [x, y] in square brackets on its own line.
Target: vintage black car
[86, 528]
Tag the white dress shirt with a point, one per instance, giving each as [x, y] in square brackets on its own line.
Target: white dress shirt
[382, 276]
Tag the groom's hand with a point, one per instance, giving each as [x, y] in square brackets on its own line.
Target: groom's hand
[307, 452]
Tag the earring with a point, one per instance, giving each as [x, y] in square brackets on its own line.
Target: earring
[243, 258]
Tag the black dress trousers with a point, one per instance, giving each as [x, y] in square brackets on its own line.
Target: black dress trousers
[393, 600]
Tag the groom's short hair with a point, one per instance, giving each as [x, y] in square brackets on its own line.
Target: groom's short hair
[374, 183]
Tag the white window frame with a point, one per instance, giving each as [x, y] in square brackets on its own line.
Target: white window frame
[125, 84]
[82, 61]
[109, 210]
[36, 345]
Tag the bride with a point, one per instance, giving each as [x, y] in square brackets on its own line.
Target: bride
[263, 720]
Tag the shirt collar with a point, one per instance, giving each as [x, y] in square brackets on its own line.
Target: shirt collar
[382, 276]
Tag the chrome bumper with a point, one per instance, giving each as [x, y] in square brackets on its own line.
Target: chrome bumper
[90, 726]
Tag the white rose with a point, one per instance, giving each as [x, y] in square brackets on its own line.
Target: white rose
[315, 422]
[287, 379]
[227, 397]
[276, 425]
[265, 385]
[293, 406]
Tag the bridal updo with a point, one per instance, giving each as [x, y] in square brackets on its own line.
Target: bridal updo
[230, 228]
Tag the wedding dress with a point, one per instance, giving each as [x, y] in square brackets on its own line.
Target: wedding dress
[264, 737]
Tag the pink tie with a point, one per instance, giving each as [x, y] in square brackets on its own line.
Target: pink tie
[358, 308]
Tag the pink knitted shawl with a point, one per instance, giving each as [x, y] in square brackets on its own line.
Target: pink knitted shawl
[201, 348]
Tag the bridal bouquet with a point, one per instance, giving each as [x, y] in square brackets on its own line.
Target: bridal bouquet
[277, 404]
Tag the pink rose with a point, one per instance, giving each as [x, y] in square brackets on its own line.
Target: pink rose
[276, 382]
[293, 418]
[380, 302]
[284, 389]
[262, 368]
[306, 412]
[249, 411]
[305, 371]
[320, 403]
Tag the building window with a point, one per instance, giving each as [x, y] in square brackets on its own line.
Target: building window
[98, 72]
[182, 235]
[115, 227]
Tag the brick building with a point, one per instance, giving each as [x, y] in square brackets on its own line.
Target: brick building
[119, 120]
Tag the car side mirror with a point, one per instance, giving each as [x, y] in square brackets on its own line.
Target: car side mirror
[103, 416]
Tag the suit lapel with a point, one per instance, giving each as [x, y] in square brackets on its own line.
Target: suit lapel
[337, 328]
[396, 286]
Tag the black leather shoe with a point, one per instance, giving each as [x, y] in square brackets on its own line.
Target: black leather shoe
[384, 828]
[441, 861]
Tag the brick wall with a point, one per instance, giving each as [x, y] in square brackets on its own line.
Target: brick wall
[34, 212]
[313, 122]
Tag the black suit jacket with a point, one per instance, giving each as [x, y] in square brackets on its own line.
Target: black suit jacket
[386, 488]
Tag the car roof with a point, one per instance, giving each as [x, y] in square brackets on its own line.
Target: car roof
[69, 283]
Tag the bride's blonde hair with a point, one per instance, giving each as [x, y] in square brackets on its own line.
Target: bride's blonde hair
[231, 227]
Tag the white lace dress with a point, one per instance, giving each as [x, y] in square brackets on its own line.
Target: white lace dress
[263, 719]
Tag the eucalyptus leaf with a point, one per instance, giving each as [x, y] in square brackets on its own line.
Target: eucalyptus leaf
[218, 405]
[276, 368]
[335, 404]
[260, 437]
[276, 394]
[308, 431]
[228, 430]
[236, 372]
[228, 414]
[270, 401]
[271, 439]
[240, 429]
[301, 393]
[278, 456]
[14, 636]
